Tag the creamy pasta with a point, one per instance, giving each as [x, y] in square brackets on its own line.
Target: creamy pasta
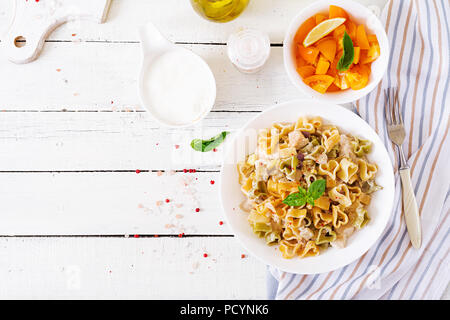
[307, 186]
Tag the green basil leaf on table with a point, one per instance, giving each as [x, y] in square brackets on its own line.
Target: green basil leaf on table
[210, 144]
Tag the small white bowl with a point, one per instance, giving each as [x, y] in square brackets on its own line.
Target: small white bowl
[361, 15]
[379, 210]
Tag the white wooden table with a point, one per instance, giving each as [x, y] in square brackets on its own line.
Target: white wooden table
[73, 134]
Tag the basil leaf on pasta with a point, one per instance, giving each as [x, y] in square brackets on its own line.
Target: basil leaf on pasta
[310, 200]
[302, 192]
[295, 200]
[316, 189]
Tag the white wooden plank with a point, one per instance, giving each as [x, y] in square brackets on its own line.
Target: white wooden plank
[178, 21]
[103, 76]
[56, 141]
[105, 203]
[112, 268]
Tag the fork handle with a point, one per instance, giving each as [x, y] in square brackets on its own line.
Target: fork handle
[410, 209]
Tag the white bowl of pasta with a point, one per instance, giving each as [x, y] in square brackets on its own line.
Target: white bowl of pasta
[307, 186]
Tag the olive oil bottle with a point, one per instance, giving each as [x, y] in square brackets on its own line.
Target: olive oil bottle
[219, 10]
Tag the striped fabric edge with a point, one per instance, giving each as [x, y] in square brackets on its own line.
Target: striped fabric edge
[430, 209]
[349, 282]
[426, 284]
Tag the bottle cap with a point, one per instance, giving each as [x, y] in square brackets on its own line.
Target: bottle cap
[248, 50]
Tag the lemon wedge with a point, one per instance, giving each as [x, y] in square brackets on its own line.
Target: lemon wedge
[321, 30]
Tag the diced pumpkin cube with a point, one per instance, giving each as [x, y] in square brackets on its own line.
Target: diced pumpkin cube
[372, 38]
[361, 38]
[332, 71]
[337, 12]
[327, 47]
[357, 51]
[320, 83]
[341, 82]
[306, 71]
[358, 76]
[304, 29]
[350, 27]
[300, 61]
[368, 56]
[340, 44]
[320, 17]
[338, 33]
[322, 65]
[322, 203]
[308, 54]
[333, 88]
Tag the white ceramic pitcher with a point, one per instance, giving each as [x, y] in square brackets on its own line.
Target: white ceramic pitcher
[154, 45]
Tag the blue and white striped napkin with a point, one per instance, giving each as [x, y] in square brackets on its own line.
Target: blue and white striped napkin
[419, 36]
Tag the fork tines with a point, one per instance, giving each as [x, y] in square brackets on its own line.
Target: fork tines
[392, 112]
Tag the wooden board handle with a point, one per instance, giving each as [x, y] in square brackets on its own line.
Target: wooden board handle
[34, 21]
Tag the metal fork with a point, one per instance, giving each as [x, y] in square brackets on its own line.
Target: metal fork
[397, 134]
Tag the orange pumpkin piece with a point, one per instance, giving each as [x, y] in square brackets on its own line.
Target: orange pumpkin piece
[320, 17]
[300, 62]
[306, 71]
[337, 12]
[358, 76]
[333, 88]
[308, 54]
[304, 29]
[340, 44]
[351, 29]
[361, 38]
[332, 71]
[357, 51]
[327, 47]
[320, 83]
[368, 56]
[341, 81]
[339, 31]
[372, 38]
[322, 65]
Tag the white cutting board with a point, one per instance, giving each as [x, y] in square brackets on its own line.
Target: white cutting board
[34, 20]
